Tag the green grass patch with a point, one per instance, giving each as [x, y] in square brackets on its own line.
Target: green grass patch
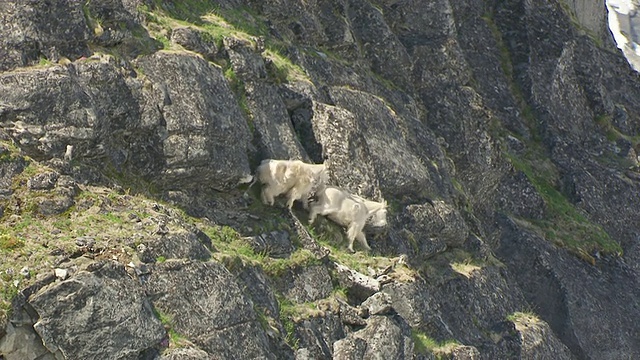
[43, 61]
[283, 69]
[563, 223]
[237, 85]
[176, 339]
[340, 292]
[9, 242]
[7, 292]
[522, 315]
[332, 236]
[113, 218]
[299, 258]
[221, 235]
[425, 345]
[287, 312]
[166, 43]
[241, 23]
[233, 249]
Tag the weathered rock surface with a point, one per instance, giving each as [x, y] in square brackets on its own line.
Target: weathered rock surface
[538, 340]
[33, 29]
[219, 318]
[22, 342]
[384, 337]
[196, 128]
[318, 334]
[184, 245]
[304, 284]
[360, 286]
[547, 282]
[196, 41]
[104, 302]
[496, 131]
[275, 244]
[186, 353]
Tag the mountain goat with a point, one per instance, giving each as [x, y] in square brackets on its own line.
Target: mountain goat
[350, 211]
[293, 177]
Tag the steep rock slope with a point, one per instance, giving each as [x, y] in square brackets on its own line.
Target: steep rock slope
[503, 135]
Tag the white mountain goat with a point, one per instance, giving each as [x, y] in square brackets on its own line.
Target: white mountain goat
[350, 211]
[293, 177]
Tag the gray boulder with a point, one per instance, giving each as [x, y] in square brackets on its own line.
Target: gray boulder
[206, 305]
[350, 162]
[399, 171]
[196, 40]
[179, 245]
[276, 135]
[102, 301]
[304, 283]
[185, 353]
[384, 337]
[317, 334]
[202, 130]
[23, 343]
[359, 286]
[32, 29]
[538, 340]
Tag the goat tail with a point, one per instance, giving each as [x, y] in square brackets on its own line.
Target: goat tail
[253, 181]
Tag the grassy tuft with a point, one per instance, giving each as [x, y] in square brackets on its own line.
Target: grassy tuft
[518, 316]
[9, 242]
[425, 345]
[332, 236]
[176, 340]
[287, 313]
[283, 69]
[299, 258]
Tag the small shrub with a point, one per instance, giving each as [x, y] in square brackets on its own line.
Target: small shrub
[422, 343]
[221, 234]
[166, 43]
[175, 339]
[9, 242]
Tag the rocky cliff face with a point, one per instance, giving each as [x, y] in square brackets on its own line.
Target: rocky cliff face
[503, 135]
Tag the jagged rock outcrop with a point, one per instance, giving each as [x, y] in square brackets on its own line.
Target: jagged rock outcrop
[503, 135]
